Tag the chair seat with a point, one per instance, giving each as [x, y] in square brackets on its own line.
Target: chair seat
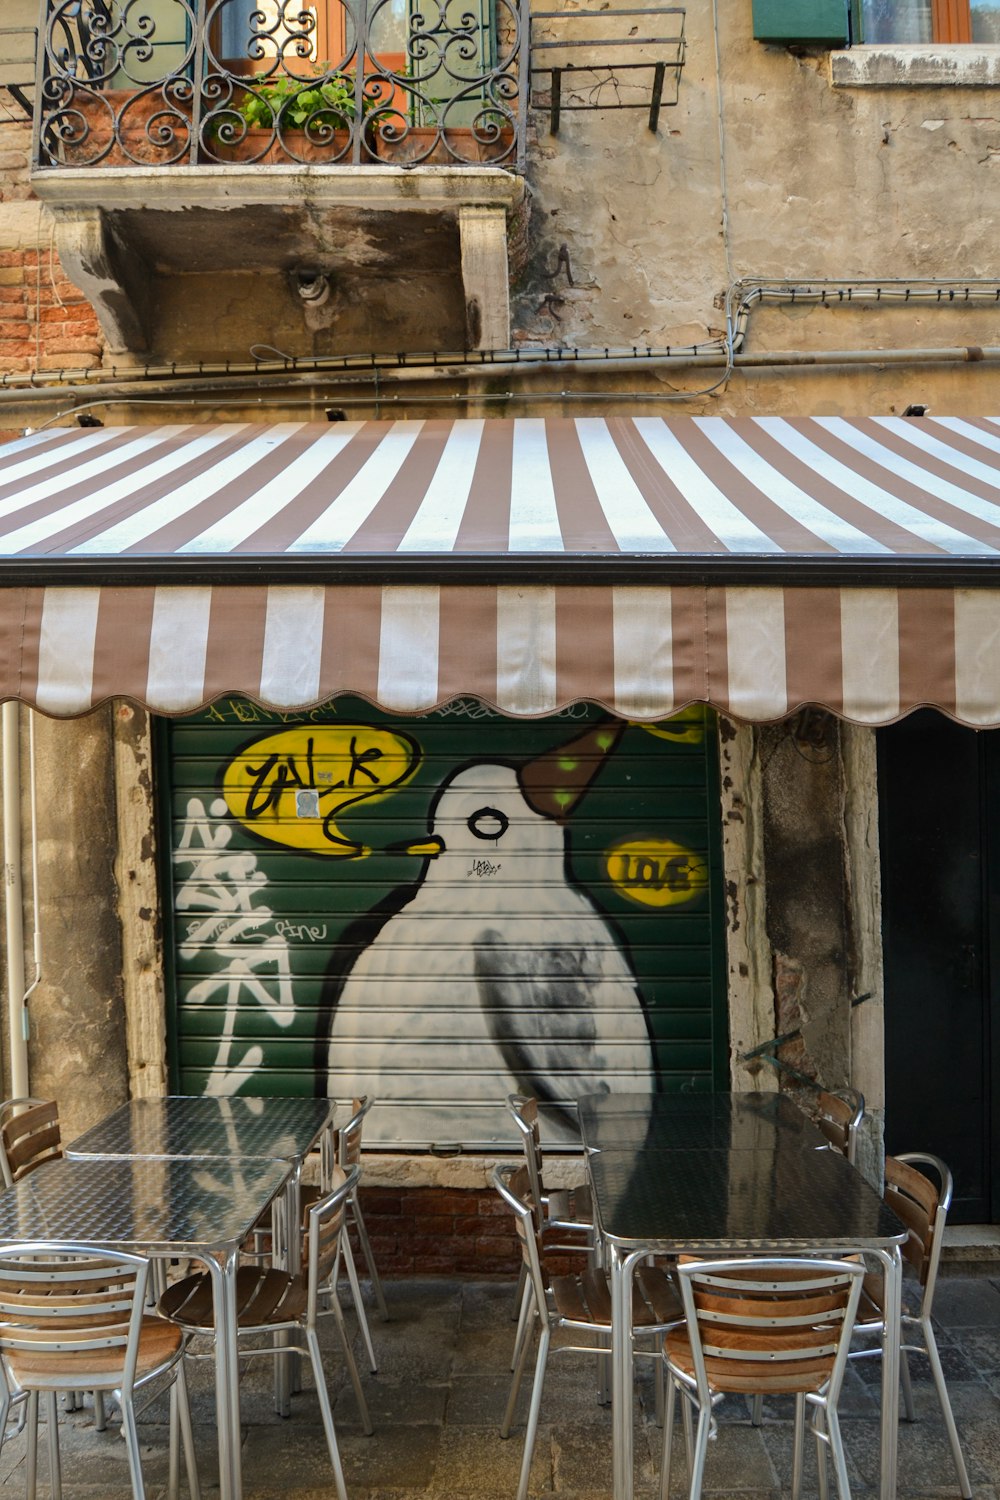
[264, 1298]
[586, 1298]
[96, 1369]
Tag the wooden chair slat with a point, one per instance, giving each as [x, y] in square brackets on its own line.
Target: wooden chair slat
[27, 1151]
[662, 1304]
[904, 1178]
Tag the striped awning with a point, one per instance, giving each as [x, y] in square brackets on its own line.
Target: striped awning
[756, 564]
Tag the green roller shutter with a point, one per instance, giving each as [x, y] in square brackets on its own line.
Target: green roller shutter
[441, 910]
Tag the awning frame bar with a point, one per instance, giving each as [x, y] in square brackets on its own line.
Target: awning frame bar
[692, 570]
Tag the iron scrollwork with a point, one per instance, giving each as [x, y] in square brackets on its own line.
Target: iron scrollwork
[404, 82]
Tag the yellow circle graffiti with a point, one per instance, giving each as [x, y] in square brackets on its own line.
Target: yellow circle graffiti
[655, 872]
[684, 728]
[290, 786]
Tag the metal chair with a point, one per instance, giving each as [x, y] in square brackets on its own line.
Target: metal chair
[349, 1157]
[840, 1116]
[923, 1208]
[29, 1137]
[581, 1304]
[563, 1209]
[348, 1152]
[72, 1318]
[269, 1301]
[775, 1325]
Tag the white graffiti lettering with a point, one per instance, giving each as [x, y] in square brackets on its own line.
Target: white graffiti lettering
[302, 931]
[250, 965]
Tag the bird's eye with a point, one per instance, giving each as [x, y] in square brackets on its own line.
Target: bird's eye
[488, 823]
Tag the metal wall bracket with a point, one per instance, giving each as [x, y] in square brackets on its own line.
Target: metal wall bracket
[592, 82]
[18, 45]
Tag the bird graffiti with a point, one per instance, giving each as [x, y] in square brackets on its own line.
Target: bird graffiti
[497, 974]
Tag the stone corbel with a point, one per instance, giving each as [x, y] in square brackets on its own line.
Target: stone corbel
[483, 233]
[114, 280]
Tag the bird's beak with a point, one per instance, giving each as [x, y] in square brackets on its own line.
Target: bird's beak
[427, 848]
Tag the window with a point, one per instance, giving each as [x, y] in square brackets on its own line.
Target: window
[930, 21]
[433, 51]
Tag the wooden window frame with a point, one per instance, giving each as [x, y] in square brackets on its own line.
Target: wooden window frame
[951, 20]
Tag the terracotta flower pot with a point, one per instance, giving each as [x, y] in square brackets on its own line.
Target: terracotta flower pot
[267, 148]
[118, 128]
[426, 146]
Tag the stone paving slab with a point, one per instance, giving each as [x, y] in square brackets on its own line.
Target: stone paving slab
[440, 1392]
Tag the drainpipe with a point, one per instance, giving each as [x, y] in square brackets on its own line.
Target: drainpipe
[13, 903]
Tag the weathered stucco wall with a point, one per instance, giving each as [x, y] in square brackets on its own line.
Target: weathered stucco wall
[808, 908]
[802, 180]
[76, 1047]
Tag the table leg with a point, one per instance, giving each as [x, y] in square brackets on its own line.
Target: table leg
[227, 1381]
[622, 1266]
[289, 1257]
[892, 1271]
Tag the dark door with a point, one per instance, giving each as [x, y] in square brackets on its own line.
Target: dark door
[939, 790]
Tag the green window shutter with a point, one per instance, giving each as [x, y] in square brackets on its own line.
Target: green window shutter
[816, 22]
[567, 935]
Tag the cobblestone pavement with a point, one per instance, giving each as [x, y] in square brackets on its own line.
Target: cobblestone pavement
[439, 1393]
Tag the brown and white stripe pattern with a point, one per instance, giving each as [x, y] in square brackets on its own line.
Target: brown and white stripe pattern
[816, 487]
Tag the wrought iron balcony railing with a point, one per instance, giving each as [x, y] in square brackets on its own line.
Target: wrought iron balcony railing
[279, 82]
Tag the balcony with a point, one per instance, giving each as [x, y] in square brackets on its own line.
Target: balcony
[214, 136]
[336, 82]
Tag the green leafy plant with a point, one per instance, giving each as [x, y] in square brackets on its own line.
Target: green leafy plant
[289, 102]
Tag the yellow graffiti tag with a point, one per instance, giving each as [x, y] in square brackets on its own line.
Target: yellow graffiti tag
[290, 787]
[655, 872]
[685, 728]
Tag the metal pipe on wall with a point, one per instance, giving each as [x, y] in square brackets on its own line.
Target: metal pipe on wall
[250, 389]
[14, 901]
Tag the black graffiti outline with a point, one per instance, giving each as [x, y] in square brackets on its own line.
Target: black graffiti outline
[290, 776]
[479, 816]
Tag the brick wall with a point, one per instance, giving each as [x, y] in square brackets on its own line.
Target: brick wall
[444, 1231]
[45, 323]
[15, 151]
[430, 1231]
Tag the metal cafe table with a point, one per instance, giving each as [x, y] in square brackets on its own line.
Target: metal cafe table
[677, 1122]
[735, 1176]
[203, 1127]
[160, 1207]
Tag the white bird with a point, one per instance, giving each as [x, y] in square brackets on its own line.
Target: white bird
[497, 976]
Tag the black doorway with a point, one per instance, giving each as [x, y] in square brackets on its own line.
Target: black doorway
[939, 794]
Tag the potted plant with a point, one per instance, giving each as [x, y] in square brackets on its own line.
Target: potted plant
[287, 118]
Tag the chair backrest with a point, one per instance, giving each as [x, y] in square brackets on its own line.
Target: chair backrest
[840, 1117]
[775, 1324]
[324, 1226]
[71, 1318]
[349, 1135]
[923, 1207]
[524, 1112]
[29, 1136]
[514, 1186]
